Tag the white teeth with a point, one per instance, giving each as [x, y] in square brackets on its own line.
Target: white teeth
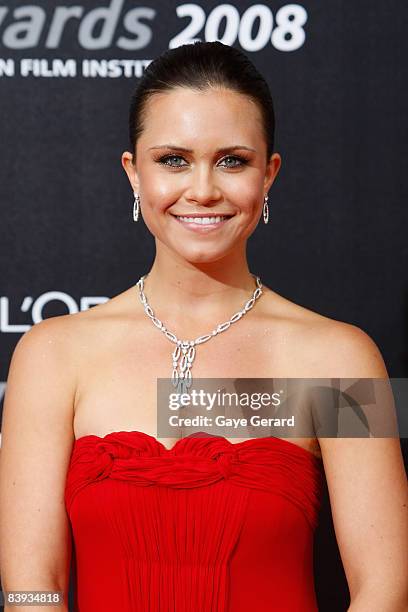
[202, 220]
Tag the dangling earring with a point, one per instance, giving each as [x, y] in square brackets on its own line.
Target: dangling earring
[136, 204]
[265, 209]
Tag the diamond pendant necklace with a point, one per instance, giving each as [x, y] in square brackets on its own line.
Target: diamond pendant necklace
[185, 351]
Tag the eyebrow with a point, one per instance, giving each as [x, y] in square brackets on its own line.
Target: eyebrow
[222, 150]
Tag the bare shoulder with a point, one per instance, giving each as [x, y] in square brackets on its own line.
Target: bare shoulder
[325, 347]
[65, 335]
[42, 369]
[345, 350]
[43, 372]
[42, 379]
[47, 345]
[90, 337]
[117, 308]
[57, 333]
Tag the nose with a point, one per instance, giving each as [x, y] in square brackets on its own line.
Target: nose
[203, 187]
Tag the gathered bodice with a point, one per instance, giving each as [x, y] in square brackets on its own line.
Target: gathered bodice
[178, 529]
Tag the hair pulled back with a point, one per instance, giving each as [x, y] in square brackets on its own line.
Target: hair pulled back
[201, 66]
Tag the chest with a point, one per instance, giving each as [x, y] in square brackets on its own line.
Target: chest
[117, 382]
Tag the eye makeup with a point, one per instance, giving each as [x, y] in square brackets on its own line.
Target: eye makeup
[241, 161]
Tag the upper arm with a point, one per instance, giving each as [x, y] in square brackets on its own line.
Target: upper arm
[37, 438]
[367, 484]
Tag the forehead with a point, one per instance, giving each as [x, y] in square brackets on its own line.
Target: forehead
[208, 116]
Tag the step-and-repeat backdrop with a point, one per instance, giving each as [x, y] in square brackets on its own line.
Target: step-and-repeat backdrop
[336, 240]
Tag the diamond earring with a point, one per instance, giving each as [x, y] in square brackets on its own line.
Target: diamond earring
[136, 205]
[265, 209]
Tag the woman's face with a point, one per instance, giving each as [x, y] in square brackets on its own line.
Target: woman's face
[180, 170]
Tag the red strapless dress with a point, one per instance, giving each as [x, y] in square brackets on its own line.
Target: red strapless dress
[207, 526]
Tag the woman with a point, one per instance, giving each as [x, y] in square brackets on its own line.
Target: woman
[202, 523]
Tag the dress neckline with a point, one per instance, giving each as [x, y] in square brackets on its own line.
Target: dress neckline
[199, 435]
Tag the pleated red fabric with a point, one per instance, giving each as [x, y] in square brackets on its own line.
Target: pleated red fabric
[206, 526]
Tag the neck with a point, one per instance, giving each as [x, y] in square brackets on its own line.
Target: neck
[181, 292]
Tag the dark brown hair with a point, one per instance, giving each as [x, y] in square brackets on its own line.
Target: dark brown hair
[201, 66]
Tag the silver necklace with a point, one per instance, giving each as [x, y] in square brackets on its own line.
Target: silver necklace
[185, 351]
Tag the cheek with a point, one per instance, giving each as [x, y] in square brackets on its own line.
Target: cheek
[243, 192]
[156, 200]
[247, 200]
[159, 188]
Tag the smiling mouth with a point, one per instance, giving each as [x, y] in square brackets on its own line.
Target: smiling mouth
[202, 220]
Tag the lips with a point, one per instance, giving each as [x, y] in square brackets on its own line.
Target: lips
[204, 220]
[202, 227]
[201, 215]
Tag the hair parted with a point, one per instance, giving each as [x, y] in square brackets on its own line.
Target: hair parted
[202, 66]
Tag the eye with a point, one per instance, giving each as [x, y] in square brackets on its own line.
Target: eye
[164, 160]
[242, 161]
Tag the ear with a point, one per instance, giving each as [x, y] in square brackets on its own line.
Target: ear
[130, 169]
[272, 169]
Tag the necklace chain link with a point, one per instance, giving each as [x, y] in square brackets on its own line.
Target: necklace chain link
[185, 351]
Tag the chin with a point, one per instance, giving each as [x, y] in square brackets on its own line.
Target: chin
[202, 258]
